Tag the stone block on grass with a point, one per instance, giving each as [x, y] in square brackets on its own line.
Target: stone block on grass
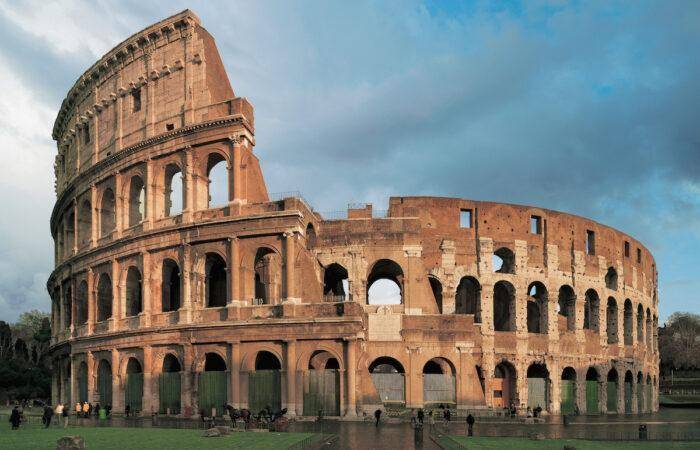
[70, 443]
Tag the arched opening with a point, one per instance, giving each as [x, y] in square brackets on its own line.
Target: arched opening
[537, 386]
[82, 378]
[611, 391]
[108, 209]
[468, 298]
[217, 175]
[170, 289]
[591, 311]
[629, 379]
[70, 233]
[503, 260]
[67, 306]
[627, 324]
[265, 383]
[568, 391]
[310, 237]
[592, 394]
[104, 297]
[567, 308]
[133, 389]
[611, 319]
[134, 292]
[503, 306]
[648, 330]
[436, 289]
[438, 382]
[389, 381]
[104, 382]
[268, 268]
[213, 385]
[640, 324]
[322, 385]
[81, 307]
[335, 283]
[503, 385]
[384, 283]
[611, 279]
[169, 385]
[649, 394]
[537, 310]
[60, 244]
[640, 392]
[215, 272]
[85, 224]
[137, 201]
[173, 192]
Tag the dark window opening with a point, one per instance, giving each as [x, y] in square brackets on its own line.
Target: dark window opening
[134, 299]
[639, 255]
[136, 100]
[215, 271]
[535, 224]
[503, 306]
[436, 288]
[267, 361]
[214, 363]
[86, 133]
[611, 279]
[169, 127]
[468, 298]
[627, 249]
[590, 242]
[503, 260]
[567, 307]
[335, 282]
[171, 286]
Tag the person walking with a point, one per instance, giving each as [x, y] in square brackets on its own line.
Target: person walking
[377, 415]
[470, 425]
[421, 415]
[447, 415]
[48, 414]
[59, 413]
[15, 418]
[78, 409]
[87, 407]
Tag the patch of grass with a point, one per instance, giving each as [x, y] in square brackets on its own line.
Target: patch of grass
[497, 443]
[35, 437]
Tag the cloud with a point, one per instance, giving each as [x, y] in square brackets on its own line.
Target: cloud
[590, 110]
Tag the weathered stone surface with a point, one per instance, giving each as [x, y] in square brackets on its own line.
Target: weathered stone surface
[212, 432]
[70, 443]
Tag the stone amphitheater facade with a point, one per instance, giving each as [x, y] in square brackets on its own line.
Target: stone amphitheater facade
[167, 303]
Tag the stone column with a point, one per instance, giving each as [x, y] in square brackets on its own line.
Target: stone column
[290, 363]
[236, 173]
[185, 314]
[635, 393]
[555, 386]
[117, 391]
[289, 238]
[93, 221]
[117, 289]
[234, 271]
[90, 301]
[150, 190]
[235, 365]
[603, 393]
[145, 320]
[75, 225]
[55, 382]
[187, 378]
[91, 385]
[581, 392]
[620, 390]
[350, 370]
[148, 404]
[119, 206]
[188, 179]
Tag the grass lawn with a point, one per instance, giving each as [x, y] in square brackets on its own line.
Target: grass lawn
[484, 443]
[35, 437]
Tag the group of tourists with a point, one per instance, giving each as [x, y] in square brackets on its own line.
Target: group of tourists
[85, 410]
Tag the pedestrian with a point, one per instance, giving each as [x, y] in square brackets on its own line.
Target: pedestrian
[470, 425]
[528, 412]
[447, 414]
[59, 413]
[15, 418]
[64, 415]
[421, 415]
[127, 410]
[97, 410]
[108, 409]
[48, 414]
[377, 415]
[431, 418]
[413, 417]
[87, 408]
[78, 409]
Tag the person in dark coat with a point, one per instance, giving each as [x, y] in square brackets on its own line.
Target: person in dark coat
[15, 418]
[48, 414]
[470, 425]
[421, 416]
[377, 416]
[447, 415]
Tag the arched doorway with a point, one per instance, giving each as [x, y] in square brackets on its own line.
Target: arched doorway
[568, 391]
[468, 298]
[322, 385]
[503, 306]
[640, 392]
[104, 382]
[213, 385]
[611, 391]
[438, 382]
[265, 383]
[215, 285]
[629, 379]
[82, 382]
[389, 380]
[385, 283]
[650, 397]
[169, 385]
[133, 390]
[592, 391]
[537, 386]
[503, 385]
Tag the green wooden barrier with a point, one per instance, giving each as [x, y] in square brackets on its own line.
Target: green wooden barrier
[104, 386]
[537, 393]
[592, 397]
[612, 397]
[322, 392]
[264, 389]
[213, 391]
[628, 397]
[133, 392]
[567, 396]
[169, 392]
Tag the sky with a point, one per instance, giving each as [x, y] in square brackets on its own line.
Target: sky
[585, 107]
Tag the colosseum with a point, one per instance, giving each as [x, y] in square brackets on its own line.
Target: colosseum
[168, 300]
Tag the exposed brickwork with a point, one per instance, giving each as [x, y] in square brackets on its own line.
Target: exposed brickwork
[136, 282]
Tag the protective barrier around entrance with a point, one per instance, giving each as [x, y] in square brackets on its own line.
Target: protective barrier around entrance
[82, 387]
[390, 387]
[104, 387]
[264, 389]
[649, 397]
[169, 392]
[592, 397]
[567, 396]
[640, 398]
[628, 397]
[213, 391]
[612, 397]
[322, 392]
[438, 388]
[133, 391]
[537, 393]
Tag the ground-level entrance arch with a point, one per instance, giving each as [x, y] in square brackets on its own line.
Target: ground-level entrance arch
[438, 382]
[537, 386]
[322, 385]
[265, 383]
[169, 386]
[213, 385]
[133, 389]
[503, 385]
[389, 380]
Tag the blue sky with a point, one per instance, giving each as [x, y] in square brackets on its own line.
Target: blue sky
[585, 107]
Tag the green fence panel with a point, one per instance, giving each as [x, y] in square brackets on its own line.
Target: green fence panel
[322, 392]
[537, 393]
[169, 392]
[438, 388]
[628, 397]
[264, 389]
[390, 387]
[133, 392]
[213, 391]
[567, 396]
[650, 398]
[592, 397]
[612, 397]
[82, 386]
[104, 386]
[640, 398]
